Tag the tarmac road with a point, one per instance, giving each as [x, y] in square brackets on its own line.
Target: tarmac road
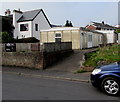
[19, 87]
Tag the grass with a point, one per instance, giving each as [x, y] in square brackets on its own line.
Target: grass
[107, 54]
[80, 71]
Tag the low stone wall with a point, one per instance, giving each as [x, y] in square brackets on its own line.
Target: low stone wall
[23, 59]
[36, 60]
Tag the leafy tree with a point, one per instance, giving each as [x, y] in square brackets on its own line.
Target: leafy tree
[6, 38]
[7, 25]
[68, 24]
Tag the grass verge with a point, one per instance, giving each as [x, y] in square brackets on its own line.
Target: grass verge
[105, 55]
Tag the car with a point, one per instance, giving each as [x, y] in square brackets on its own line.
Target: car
[107, 78]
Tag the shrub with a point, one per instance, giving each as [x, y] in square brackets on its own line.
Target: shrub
[6, 38]
[27, 40]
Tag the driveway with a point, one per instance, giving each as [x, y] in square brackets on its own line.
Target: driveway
[71, 63]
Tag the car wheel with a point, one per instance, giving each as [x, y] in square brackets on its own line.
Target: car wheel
[110, 86]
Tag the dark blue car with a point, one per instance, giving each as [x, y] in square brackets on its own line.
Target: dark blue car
[107, 78]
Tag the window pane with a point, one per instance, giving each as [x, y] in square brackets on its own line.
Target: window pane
[58, 35]
[36, 27]
[24, 27]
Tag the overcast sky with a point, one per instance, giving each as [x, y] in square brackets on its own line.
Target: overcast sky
[80, 13]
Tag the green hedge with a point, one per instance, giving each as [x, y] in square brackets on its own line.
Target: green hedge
[27, 40]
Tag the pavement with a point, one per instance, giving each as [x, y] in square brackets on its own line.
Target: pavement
[80, 77]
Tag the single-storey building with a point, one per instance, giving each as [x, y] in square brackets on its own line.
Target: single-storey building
[108, 30]
[118, 38]
[80, 37]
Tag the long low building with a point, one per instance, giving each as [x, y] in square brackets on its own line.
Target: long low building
[118, 38]
[80, 37]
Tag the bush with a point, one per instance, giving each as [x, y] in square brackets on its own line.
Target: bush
[6, 38]
[27, 40]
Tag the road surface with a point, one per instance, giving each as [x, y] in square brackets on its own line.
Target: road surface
[19, 87]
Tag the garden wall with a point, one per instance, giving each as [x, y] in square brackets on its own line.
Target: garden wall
[36, 57]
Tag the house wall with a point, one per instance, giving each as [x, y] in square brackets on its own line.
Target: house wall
[16, 16]
[42, 25]
[83, 39]
[51, 36]
[110, 36]
[75, 39]
[118, 38]
[67, 36]
[96, 39]
[25, 34]
[43, 37]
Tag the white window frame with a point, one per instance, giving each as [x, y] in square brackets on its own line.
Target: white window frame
[25, 26]
[58, 37]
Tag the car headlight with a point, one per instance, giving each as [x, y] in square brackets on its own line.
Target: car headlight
[96, 71]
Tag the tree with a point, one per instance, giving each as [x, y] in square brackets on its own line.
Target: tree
[7, 25]
[68, 24]
[6, 38]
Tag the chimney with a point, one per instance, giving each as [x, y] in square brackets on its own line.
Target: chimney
[7, 12]
[17, 11]
[103, 22]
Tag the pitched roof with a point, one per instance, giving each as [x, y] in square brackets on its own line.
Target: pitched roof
[29, 15]
[53, 25]
[102, 25]
[85, 29]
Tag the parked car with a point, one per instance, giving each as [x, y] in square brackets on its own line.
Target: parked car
[107, 78]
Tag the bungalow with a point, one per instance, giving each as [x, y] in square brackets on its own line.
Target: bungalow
[29, 24]
[80, 37]
[108, 30]
[118, 38]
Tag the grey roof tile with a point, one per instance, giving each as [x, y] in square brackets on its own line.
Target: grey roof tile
[29, 15]
[106, 26]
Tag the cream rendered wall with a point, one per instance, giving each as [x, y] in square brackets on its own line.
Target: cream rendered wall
[75, 39]
[67, 36]
[42, 25]
[43, 37]
[51, 36]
